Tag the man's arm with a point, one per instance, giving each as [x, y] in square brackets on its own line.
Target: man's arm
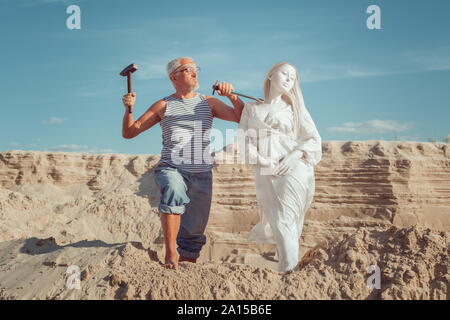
[151, 117]
[221, 110]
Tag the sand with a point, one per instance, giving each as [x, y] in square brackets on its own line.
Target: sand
[377, 203]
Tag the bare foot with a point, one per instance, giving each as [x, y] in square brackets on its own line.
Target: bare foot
[187, 259]
[171, 261]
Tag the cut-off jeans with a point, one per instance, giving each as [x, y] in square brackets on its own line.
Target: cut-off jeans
[188, 194]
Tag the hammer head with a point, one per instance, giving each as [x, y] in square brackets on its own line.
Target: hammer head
[130, 69]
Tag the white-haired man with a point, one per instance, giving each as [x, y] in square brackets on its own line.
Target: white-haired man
[184, 172]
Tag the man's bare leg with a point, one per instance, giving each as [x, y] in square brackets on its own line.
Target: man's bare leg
[170, 224]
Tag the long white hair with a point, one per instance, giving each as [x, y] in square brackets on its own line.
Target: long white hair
[294, 97]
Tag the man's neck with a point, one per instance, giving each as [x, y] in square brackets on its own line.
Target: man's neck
[185, 94]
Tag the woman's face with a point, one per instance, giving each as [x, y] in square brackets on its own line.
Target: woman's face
[283, 78]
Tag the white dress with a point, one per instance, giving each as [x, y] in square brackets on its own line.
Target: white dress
[283, 200]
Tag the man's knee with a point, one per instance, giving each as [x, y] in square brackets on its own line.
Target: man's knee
[175, 193]
[173, 198]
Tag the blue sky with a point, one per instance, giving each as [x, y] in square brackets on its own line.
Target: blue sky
[61, 89]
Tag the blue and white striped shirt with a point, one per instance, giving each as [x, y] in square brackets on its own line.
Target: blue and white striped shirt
[186, 127]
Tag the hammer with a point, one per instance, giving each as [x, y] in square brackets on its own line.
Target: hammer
[127, 72]
[216, 87]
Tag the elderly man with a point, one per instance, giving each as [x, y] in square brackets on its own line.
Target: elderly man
[184, 171]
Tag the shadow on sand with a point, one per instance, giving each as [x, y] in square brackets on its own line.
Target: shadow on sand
[34, 245]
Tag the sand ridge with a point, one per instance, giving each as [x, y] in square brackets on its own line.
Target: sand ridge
[376, 202]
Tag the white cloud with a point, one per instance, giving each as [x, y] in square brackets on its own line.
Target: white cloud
[358, 72]
[14, 144]
[438, 63]
[154, 66]
[32, 3]
[372, 126]
[35, 144]
[252, 81]
[149, 70]
[415, 137]
[332, 72]
[54, 120]
[80, 148]
[436, 60]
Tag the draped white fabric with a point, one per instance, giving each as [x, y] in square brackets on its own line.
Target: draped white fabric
[283, 200]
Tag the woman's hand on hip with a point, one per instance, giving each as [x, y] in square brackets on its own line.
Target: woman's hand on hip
[288, 163]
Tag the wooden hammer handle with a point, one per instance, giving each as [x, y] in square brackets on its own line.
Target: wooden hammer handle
[129, 81]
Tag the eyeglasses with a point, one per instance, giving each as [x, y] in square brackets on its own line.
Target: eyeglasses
[189, 70]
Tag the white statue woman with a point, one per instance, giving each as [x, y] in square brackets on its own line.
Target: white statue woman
[283, 166]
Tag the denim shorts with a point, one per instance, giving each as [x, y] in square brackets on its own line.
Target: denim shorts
[188, 194]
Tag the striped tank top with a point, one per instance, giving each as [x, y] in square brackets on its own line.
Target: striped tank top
[186, 127]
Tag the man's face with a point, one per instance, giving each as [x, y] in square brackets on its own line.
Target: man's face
[185, 76]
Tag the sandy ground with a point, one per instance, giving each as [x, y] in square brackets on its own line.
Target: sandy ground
[86, 226]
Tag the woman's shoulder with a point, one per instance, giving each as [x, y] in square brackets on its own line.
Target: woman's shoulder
[249, 104]
[253, 106]
[249, 108]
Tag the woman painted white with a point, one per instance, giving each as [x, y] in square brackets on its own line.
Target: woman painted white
[283, 165]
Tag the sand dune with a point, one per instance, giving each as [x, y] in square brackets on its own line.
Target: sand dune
[376, 203]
